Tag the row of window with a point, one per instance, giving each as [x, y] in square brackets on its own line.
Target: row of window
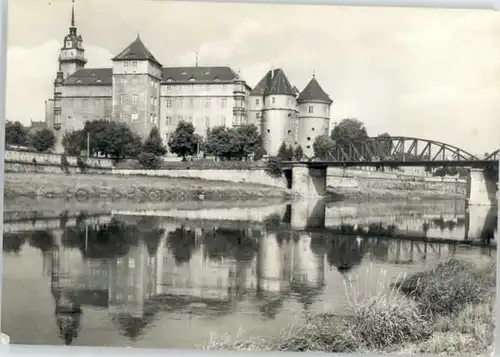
[90, 103]
[134, 79]
[192, 87]
[124, 99]
[194, 103]
[220, 120]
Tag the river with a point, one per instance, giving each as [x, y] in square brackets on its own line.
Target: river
[173, 277]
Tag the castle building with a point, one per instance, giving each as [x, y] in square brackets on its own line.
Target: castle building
[140, 91]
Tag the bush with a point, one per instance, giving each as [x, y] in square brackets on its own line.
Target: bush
[149, 160]
[259, 154]
[43, 140]
[273, 167]
[448, 287]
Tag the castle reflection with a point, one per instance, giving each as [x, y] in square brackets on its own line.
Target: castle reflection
[136, 266]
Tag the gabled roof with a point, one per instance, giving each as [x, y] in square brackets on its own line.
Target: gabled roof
[313, 93]
[274, 82]
[91, 76]
[136, 51]
[198, 74]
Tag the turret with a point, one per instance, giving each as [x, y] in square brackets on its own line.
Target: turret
[314, 115]
[273, 104]
[72, 54]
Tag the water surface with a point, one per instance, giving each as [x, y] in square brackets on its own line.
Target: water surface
[172, 277]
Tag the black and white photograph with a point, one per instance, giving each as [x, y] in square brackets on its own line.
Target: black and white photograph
[251, 177]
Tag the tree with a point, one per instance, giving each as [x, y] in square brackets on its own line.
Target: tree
[43, 140]
[152, 150]
[184, 141]
[154, 143]
[290, 154]
[248, 139]
[349, 129]
[223, 143]
[299, 153]
[323, 147]
[283, 152]
[73, 142]
[259, 154]
[15, 134]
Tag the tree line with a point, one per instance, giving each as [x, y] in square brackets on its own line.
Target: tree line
[17, 134]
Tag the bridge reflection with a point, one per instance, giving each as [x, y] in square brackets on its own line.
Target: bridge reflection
[136, 267]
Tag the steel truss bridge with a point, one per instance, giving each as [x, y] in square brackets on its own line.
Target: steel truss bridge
[402, 151]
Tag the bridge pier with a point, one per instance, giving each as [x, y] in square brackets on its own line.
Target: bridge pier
[308, 182]
[308, 213]
[482, 187]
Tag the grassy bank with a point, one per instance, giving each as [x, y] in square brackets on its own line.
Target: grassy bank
[447, 310]
[106, 187]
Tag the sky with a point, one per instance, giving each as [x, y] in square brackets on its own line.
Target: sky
[428, 73]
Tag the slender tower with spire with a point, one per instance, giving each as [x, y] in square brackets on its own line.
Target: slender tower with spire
[72, 55]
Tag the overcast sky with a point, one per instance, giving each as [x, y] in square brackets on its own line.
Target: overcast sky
[431, 73]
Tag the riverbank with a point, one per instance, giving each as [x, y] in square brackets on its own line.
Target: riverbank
[447, 310]
[107, 187]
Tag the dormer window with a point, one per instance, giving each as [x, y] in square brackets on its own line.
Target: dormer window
[184, 73]
[98, 80]
[78, 81]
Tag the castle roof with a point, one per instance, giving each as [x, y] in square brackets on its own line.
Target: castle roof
[136, 51]
[274, 82]
[103, 76]
[313, 93]
[198, 74]
[91, 76]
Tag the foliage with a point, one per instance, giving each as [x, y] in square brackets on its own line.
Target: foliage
[154, 143]
[149, 160]
[184, 141]
[42, 140]
[259, 154]
[299, 153]
[273, 167]
[323, 147]
[73, 142]
[15, 134]
[351, 129]
[233, 143]
[286, 153]
[112, 138]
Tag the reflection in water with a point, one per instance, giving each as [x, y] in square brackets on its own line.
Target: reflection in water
[138, 269]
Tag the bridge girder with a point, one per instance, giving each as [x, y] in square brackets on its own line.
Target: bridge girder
[398, 148]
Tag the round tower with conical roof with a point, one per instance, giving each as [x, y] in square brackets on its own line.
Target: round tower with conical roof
[314, 115]
[273, 108]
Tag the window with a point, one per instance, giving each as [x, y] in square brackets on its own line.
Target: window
[135, 99]
[168, 120]
[273, 100]
[235, 121]
[208, 87]
[191, 103]
[223, 103]
[125, 63]
[135, 116]
[207, 122]
[154, 101]
[123, 98]
[151, 118]
[257, 115]
[169, 87]
[224, 86]
[207, 103]
[134, 63]
[310, 109]
[70, 117]
[134, 80]
[179, 103]
[85, 118]
[123, 80]
[85, 103]
[191, 87]
[257, 101]
[223, 120]
[309, 138]
[57, 119]
[169, 103]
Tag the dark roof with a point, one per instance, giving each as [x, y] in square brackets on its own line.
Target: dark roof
[198, 74]
[136, 51]
[313, 93]
[91, 76]
[274, 82]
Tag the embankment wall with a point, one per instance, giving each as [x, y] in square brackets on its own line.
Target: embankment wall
[338, 178]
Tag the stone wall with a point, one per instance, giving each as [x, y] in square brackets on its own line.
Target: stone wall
[28, 161]
[255, 176]
[393, 180]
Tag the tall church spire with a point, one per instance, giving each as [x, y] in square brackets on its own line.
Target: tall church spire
[73, 13]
